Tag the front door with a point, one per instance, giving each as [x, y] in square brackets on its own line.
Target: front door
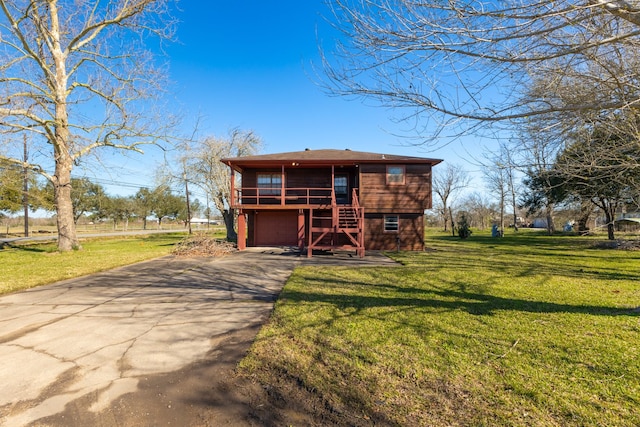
[341, 188]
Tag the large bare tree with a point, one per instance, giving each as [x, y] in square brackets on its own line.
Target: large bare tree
[471, 63]
[500, 176]
[447, 183]
[209, 173]
[608, 139]
[77, 75]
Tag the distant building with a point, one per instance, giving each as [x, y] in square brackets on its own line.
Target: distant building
[204, 221]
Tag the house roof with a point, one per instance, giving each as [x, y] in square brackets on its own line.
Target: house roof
[326, 157]
[636, 220]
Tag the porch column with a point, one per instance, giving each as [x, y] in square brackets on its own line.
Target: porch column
[309, 248]
[301, 230]
[333, 185]
[242, 231]
[233, 188]
[282, 194]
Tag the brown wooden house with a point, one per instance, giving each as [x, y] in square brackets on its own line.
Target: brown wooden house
[332, 199]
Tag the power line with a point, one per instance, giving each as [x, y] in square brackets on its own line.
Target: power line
[123, 184]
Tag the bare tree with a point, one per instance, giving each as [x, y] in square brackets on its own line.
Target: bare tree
[210, 174]
[472, 63]
[479, 209]
[500, 174]
[497, 182]
[447, 183]
[594, 150]
[608, 78]
[76, 76]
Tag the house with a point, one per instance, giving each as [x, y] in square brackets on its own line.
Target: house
[332, 199]
[628, 224]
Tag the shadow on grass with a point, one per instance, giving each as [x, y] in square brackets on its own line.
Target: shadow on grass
[526, 256]
[544, 265]
[28, 248]
[538, 241]
[449, 300]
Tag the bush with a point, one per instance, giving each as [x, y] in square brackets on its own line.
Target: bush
[464, 230]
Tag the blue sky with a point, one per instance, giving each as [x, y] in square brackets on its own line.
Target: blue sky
[253, 64]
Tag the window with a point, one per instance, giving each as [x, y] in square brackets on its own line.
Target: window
[391, 223]
[341, 187]
[395, 175]
[269, 184]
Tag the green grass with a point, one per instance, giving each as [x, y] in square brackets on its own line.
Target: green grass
[27, 266]
[528, 330]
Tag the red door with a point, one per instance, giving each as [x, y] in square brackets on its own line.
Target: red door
[276, 228]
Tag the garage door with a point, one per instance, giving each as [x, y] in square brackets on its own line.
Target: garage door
[278, 228]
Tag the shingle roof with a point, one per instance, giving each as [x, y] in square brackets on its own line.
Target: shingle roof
[325, 157]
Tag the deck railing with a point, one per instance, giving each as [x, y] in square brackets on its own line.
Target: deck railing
[323, 196]
[354, 198]
[292, 196]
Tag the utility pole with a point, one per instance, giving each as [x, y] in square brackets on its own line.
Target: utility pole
[208, 211]
[186, 190]
[25, 187]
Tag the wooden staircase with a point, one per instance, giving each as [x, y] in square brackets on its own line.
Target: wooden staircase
[337, 227]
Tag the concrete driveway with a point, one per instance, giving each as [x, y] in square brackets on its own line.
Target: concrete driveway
[75, 347]
[95, 338]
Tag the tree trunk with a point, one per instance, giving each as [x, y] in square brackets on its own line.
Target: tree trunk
[453, 228]
[514, 205]
[548, 210]
[228, 215]
[610, 231]
[609, 216]
[445, 217]
[502, 214]
[25, 189]
[586, 208]
[67, 237]
[551, 228]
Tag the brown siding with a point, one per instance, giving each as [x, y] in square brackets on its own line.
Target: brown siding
[411, 233]
[308, 178]
[413, 196]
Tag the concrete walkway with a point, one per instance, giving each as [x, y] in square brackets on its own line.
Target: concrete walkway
[95, 338]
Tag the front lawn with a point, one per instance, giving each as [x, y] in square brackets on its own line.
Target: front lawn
[26, 266]
[528, 330]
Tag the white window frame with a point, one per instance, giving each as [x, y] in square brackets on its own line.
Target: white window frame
[396, 174]
[391, 223]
